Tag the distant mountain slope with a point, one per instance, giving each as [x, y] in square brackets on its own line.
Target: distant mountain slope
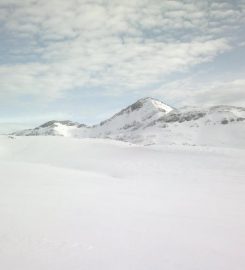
[216, 126]
[135, 116]
[53, 128]
[150, 121]
[214, 115]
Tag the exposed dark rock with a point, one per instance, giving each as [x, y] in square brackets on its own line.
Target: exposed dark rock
[240, 119]
[137, 105]
[64, 122]
[224, 122]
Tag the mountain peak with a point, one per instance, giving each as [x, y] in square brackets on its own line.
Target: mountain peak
[155, 103]
[149, 120]
[141, 112]
[145, 99]
[149, 104]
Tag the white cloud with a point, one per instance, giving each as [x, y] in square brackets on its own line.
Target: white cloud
[116, 45]
[190, 91]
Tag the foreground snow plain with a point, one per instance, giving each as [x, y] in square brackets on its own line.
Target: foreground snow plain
[91, 204]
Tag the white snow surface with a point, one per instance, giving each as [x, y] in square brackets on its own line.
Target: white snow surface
[97, 204]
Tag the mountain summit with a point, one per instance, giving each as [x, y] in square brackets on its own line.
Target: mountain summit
[149, 104]
[138, 114]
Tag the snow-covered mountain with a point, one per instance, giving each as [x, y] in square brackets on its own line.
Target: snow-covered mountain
[150, 121]
[134, 117]
[211, 115]
[216, 126]
[64, 128]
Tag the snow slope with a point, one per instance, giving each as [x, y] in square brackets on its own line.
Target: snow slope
[94, 204]
[220, 126]
[64, 128]
[137, 115]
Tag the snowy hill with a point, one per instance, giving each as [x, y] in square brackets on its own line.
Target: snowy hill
[150, 121]
[222, 126]
[210, 115]
[135, 116]
[64, 128]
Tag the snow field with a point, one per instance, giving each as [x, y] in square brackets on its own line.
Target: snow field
[74, 204]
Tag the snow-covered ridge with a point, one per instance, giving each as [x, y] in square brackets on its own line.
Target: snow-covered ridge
[214, 114]
[134, 116]
[52, 128]
[150, 121]
[55, 122]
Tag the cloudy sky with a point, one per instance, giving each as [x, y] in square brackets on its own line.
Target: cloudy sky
[85, 59]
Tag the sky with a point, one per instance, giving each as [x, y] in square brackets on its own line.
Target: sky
[84, 60]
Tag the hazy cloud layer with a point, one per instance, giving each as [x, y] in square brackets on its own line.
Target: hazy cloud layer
[198, 93]
[119, 47]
